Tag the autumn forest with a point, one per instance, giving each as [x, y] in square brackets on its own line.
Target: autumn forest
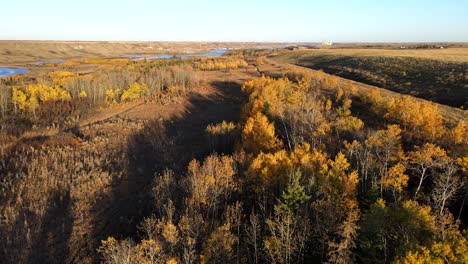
[246, 157]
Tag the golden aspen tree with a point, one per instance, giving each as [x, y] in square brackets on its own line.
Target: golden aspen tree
[258, 135]
[385, 146]
[219, 247]
[395, 179]
[134, 91]
[19, 99]
[459, 133]
[425, 158]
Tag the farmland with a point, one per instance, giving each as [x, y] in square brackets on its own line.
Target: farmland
[439, 75]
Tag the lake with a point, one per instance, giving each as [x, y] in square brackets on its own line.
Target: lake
[6, 71]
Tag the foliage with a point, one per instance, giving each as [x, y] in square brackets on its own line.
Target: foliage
[392, 231]
[259, 136]
[220, 64]
[219, 246]
[134, 92]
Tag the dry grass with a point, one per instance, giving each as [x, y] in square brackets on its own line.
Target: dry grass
[448, 55]
[438, 75]
[275, 68]
[17, 52]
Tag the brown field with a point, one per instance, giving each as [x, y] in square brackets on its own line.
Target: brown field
[20, 52]
[438, 75]
[457, 54]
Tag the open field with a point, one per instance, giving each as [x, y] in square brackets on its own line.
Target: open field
[439, 75]
[455, 54]
[20, 52]
[275, 68]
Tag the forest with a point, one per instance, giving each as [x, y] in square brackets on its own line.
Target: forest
[241, 158]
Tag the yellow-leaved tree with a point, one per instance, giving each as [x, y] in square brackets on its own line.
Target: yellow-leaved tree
[258, 135]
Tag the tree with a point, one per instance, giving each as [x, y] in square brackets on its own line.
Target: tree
[258, 135]
[253, 236]
[295, 195]
[452, 247]
[288, 233]
[210, 183]
[391, 231]
[420, 118]
[118, 252]
[341, 252]
[134, 92]
[219, 247]
[395, 179]
[5, 100]
[425, 158]
[446, 185]
[459, 132]
[385, 145]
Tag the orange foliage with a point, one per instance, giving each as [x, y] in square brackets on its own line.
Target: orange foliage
[259, 136]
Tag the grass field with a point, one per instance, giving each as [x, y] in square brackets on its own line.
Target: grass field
[19, 52]
[439, 75]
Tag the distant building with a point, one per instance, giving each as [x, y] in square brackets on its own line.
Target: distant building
[328, 43]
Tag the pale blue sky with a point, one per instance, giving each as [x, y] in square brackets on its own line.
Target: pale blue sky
[236, 20]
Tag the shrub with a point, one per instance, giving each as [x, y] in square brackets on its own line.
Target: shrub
[134, 92]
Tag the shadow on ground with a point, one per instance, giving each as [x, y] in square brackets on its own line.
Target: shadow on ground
[159, 145]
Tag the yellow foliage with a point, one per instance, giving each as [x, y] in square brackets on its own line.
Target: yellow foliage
[453, 248]
[418, 117]
[172, 261]
[395, 178]
[83, 94]
[269, 96]
[220, 64]
[221, 128]
[60, 77]
[106, 61]
[220, 245]
[112, 96]
[419, 257]
[258, 135]
[69, 64]
[170, 233]
[29, 98]
[388, 140]
[19, 98]
[270, 171]
[214, 177]
[134, 92]
[463, 162]
[460, 132]
[426, 221]
[429, 155]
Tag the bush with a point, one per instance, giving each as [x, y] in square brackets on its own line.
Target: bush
[134, 92]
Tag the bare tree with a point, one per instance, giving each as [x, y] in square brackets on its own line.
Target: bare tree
[446, 186]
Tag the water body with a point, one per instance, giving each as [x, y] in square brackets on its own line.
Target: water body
[211, 53]
[6, 71]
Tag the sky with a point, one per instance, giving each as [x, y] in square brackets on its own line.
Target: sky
[236, 20]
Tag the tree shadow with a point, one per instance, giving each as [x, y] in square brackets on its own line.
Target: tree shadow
[34, 239]
[52, 244]
[162, 144]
